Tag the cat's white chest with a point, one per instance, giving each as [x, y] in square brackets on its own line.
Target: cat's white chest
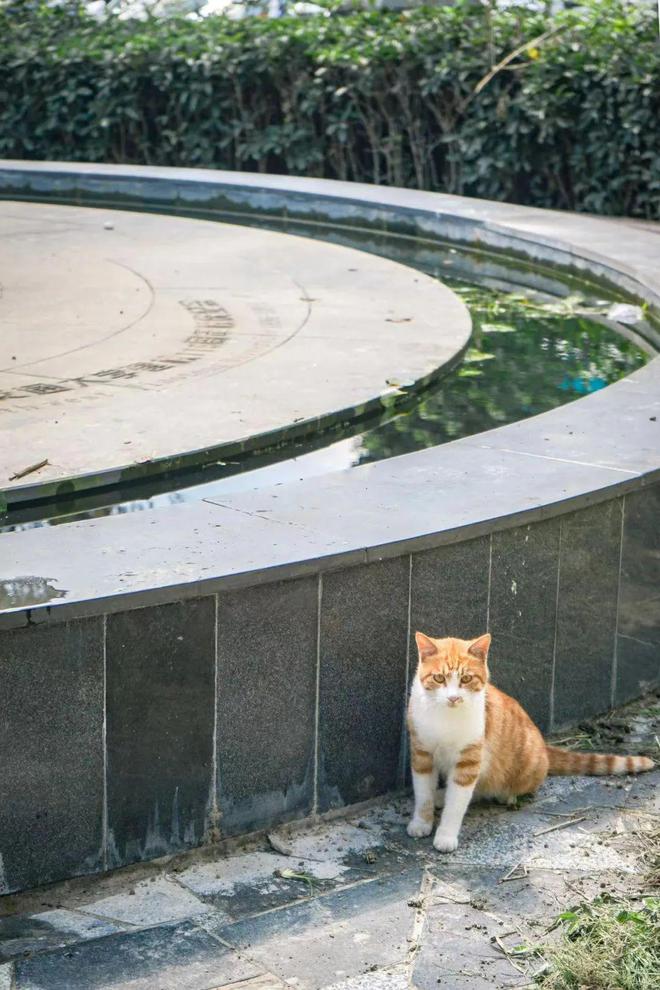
[445, 732]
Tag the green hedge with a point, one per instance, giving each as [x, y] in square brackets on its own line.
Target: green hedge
[573, 121]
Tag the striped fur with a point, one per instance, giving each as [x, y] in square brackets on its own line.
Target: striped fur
[564, 762]
[480, 739]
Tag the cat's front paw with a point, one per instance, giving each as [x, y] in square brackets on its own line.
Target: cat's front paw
[418, 828]
[445, 842]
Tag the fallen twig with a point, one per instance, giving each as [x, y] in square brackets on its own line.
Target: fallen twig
[554, 828]
[29, 470]
[453, 900]
[561, 814]
[507, 955]
[512, 875]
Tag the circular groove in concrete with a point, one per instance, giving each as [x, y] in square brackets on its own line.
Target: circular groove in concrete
[130, 339]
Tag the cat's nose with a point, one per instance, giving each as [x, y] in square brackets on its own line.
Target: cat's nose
[454, 699]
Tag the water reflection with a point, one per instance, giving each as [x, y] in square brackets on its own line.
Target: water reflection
[29, 590]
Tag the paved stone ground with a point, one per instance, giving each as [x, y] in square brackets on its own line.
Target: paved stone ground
[348, 904]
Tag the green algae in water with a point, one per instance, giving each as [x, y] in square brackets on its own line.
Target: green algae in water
[525, 357]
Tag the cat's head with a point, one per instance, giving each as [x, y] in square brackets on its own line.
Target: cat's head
[455, 670]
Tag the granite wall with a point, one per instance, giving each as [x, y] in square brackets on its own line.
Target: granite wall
[128, 735]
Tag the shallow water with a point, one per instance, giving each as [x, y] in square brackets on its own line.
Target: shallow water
[529, 352]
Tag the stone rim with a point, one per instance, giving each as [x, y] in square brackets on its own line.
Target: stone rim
[542, 238]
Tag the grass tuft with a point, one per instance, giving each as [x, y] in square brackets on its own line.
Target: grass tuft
[607, 944]
[649, 840]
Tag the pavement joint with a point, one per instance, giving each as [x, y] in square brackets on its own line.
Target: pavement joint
[383, 913]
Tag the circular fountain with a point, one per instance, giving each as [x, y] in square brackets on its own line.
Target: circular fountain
[205, 670]
[135, 344]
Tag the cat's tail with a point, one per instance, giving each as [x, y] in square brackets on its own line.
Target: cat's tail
[565, 762]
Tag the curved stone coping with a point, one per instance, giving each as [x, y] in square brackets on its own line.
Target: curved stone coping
[537, 469]
[134, 343]
[602, 445]
[622, 253]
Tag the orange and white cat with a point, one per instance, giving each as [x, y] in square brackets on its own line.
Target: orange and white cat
[481, 740]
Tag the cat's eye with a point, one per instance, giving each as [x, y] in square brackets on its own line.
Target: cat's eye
[440, 678]
[465, 678]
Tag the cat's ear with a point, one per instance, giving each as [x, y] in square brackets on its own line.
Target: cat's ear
[479, 647]
[426, 646]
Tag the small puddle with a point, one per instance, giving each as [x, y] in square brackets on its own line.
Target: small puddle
[23, 591]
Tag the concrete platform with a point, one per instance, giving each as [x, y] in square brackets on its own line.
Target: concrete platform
[135, 343]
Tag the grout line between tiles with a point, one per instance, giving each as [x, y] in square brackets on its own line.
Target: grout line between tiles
[215, 774]
[104, 744]
[319, 602]
[615, 657]
[490, 576]
[404, 735]
[560, 460]
[551, 718]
